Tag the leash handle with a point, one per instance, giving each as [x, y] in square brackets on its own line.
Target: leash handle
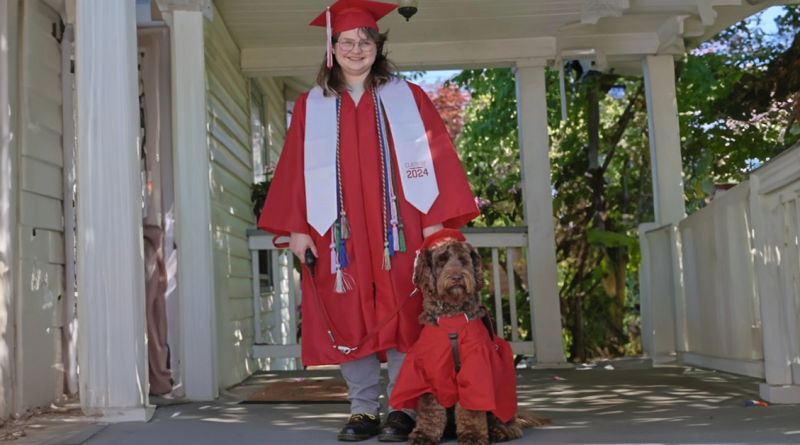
[311, 261]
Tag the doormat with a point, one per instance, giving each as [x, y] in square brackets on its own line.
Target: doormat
[303, 392]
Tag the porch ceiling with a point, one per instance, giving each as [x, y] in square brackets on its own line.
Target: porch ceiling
[276, 40]
[277, 23]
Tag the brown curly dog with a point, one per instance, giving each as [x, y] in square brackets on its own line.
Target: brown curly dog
[450, 276]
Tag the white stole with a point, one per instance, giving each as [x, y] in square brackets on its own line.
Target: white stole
[415, 163]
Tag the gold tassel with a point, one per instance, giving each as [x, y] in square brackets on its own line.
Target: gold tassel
[345, 227]
[387, 259]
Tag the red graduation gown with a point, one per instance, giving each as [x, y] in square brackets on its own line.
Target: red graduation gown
[376, 291]
[486, 382]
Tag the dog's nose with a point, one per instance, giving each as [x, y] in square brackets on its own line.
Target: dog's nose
[458, 278]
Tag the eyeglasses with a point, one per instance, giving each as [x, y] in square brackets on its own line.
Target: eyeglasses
[366, 46]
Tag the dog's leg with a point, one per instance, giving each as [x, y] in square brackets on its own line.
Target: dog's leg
[502, 432]
[431, 420]
[471, 426]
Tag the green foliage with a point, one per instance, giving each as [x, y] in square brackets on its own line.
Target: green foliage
[488, 145]
[609, 239]
[258, 191]
[258, 194]
[735, 99]
[411, 76]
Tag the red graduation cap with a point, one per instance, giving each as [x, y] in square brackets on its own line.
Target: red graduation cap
[345, 15]
[442, 237]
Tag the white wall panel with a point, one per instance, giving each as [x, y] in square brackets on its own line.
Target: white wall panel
[40, 271]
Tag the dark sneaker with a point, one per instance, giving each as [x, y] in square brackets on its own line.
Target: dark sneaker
[397, 427]
[360, 427]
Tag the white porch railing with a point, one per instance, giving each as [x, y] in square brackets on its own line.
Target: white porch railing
[656, 281]
[275, 300]
[722, 289]
[508, 239]
[710, 317]
[719, 312]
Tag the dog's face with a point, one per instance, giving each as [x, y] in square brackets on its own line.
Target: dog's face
[450, 273]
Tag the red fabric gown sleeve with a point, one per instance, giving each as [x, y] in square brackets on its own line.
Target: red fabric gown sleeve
[455, 205]
[505, 380]
[476, 389]
[285, 207]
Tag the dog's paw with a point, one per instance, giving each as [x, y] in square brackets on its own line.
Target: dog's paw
[473, 439]
[418, 437]
[501, 432]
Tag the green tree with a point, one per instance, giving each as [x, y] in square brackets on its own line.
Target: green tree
[738, 102]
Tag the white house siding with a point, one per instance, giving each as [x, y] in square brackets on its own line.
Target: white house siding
[231, 209]
[276, 116]
[40, 221]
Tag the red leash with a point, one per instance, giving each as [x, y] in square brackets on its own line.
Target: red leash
[310, 262]
[328, 324]
[279, 245]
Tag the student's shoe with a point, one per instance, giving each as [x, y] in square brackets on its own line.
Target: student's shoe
[361, 426]
[397, 427]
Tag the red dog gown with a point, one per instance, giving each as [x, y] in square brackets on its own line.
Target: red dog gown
[487, 379]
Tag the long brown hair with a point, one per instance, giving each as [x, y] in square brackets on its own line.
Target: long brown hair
[332, 80]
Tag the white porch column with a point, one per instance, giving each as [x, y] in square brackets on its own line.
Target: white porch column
[192, 198]
[665, 139]
[9, 118]
[538, 204]
[667, 168]
[112, 351]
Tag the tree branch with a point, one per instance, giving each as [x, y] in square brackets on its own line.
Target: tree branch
[622, 124]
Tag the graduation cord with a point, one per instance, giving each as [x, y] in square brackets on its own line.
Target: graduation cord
[391, 199]
[387, 262]
[344, 223]
[340, 231]
[397, 221]
[393, 238]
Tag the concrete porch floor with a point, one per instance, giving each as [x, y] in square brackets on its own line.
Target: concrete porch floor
[633, 403]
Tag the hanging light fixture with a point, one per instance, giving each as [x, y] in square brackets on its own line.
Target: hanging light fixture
[407, 8]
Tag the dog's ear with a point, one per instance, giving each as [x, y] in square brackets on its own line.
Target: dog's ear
[423, 273]
[477, 264]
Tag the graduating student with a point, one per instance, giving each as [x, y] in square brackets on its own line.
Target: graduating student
[368, 170]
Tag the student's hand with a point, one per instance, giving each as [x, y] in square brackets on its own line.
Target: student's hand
[299, 242]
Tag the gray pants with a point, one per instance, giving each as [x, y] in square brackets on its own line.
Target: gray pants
[363, 378]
